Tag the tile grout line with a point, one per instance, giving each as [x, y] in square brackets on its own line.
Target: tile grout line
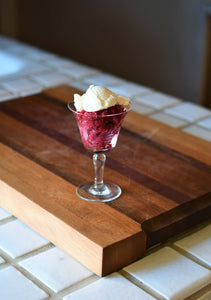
[78, 285]
[9, 261]
[162, 110]
[200, 126]
[190, 256]
[7, 220]
[141, 285]
[153, 91]
[34, 252]
[181, 127]
[14, 263]
[199, 293]
[140, 94]
[27, 255]
[156, 294]
[4, 265]
[178, 127]
[170, 243]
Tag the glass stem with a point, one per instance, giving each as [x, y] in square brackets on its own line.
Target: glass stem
[99, 163]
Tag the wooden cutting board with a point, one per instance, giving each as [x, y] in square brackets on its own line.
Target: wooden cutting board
[164, 173]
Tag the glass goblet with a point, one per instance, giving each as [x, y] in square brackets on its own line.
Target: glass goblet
[99, 133]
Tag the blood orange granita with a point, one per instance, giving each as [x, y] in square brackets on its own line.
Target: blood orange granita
[100, 129]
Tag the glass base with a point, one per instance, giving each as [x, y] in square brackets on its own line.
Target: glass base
[108, 192]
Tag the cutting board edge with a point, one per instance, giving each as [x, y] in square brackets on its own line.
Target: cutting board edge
[123, 253]
[191, 214]
[97, 258]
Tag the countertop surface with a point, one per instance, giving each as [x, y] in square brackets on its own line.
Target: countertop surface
[33, 268]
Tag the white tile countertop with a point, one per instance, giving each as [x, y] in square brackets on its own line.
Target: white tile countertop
[33, 268]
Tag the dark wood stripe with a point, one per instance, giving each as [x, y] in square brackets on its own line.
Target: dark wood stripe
[164, 149]
[135, 175]
[148, 182]
[160, 227]
[75, 179]
[171, 152]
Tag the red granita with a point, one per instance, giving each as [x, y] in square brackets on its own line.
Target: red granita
[99, 130]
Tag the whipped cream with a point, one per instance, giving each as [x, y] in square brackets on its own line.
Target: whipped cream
[97, 98]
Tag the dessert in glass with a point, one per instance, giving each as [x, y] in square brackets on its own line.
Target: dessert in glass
[99, 114]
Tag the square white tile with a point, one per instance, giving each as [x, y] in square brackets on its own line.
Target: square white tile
[21, 49]
[157, 100]
[168, 119]
[15, 66]
[112, 287]
[4, 214]
[15, 286]
[22, 85]
[199, 132]
[141, 108]
[36, 67]
[79, 71]
[50, 78]
[1, 260]
[60, 63]
[104, 79]
[40, 55]
[7, 42]
[56, 269]
[198, 244]
[188, 111]
[30, 92]
[170, 274]
[129, 89]
[81, 85]
[17, 239]
[206, 123]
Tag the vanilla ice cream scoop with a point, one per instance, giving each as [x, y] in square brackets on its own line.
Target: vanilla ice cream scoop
[97, 98]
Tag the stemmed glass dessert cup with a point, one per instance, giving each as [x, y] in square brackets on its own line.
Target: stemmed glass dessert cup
[99, 133]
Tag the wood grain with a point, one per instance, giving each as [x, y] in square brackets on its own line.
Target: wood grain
[49, 205]
[164, 173]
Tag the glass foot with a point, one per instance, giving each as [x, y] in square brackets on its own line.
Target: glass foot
[108, 192]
